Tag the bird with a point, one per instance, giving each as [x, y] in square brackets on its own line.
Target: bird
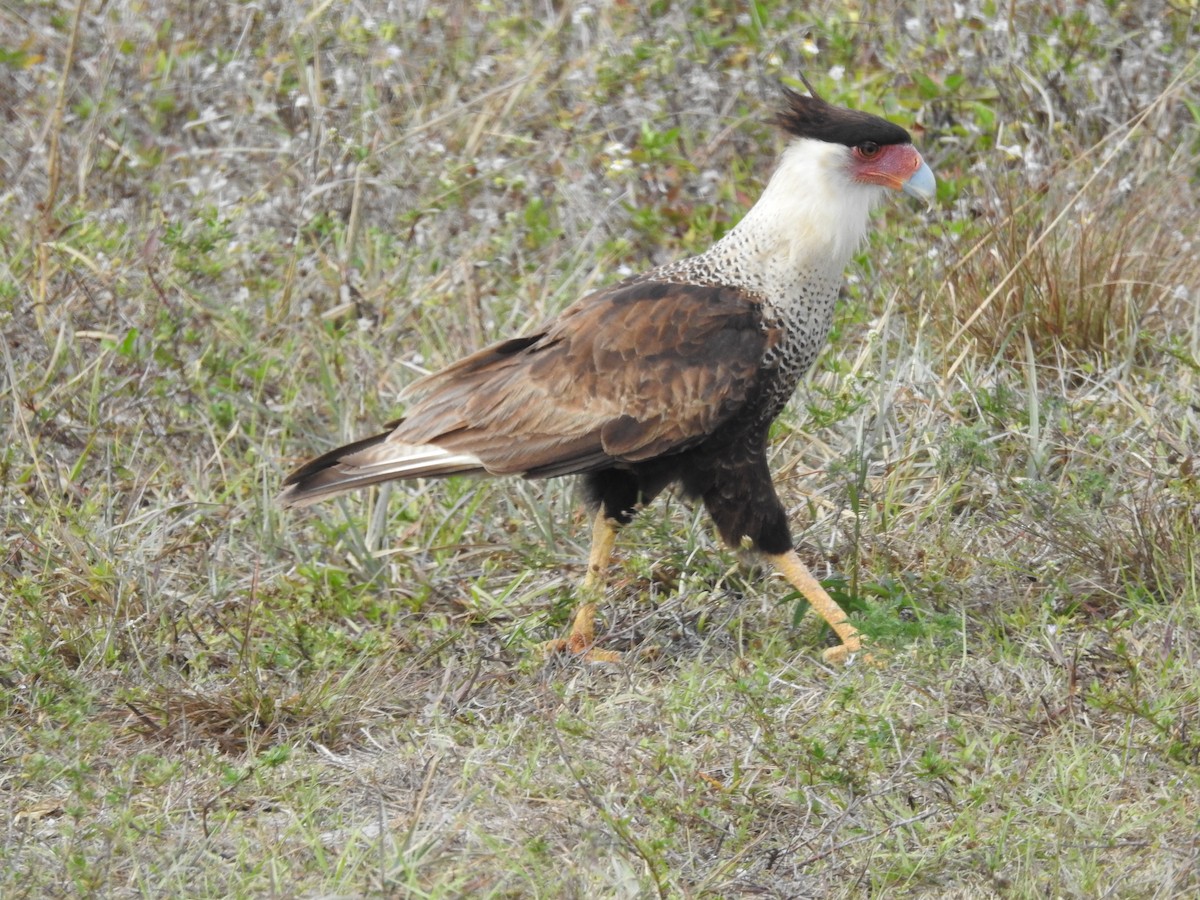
[671, 377]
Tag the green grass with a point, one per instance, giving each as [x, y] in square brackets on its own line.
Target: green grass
[244, 230]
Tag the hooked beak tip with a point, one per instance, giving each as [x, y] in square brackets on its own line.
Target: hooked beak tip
[921, 184]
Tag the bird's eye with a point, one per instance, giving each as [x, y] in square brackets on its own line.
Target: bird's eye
[868, 149]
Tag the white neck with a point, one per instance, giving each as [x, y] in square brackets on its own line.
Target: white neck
[813, 205]
[807, 223]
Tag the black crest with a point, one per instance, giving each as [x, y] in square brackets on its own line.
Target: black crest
[812, 117]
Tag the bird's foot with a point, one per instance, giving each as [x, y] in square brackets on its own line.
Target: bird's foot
[848, 652]
[581, 640]
[587, 654]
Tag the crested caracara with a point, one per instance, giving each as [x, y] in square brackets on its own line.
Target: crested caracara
[669, 377]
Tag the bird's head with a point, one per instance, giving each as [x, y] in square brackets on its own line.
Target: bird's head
[839, 164]
[868, 149]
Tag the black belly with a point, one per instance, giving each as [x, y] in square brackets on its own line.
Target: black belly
[728, 472]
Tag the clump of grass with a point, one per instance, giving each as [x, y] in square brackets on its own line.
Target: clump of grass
[1138, 543]
[1101, 270]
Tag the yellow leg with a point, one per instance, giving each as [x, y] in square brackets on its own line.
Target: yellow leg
[583, 627]
[604, 538]
[797, 574]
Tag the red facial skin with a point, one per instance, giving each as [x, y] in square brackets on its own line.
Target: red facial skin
[890, 165]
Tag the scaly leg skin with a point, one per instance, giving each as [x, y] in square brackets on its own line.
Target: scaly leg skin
[797, 574]
[583, 627]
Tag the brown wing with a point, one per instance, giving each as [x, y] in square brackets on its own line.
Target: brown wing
[626, 374]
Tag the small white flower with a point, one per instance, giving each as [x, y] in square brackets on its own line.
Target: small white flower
[484, 66]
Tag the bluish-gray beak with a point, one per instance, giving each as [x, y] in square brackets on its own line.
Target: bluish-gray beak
[921, 184]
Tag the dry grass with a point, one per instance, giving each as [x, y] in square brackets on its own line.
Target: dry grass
[1099, 273]
[230, 234]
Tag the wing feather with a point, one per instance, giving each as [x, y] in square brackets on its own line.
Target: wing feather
[626, 374]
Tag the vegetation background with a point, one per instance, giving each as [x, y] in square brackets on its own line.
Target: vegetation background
[231, 232]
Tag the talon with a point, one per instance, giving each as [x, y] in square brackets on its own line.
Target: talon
[847, 653]
[581, 639]
[841, 655]
[585, 654]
